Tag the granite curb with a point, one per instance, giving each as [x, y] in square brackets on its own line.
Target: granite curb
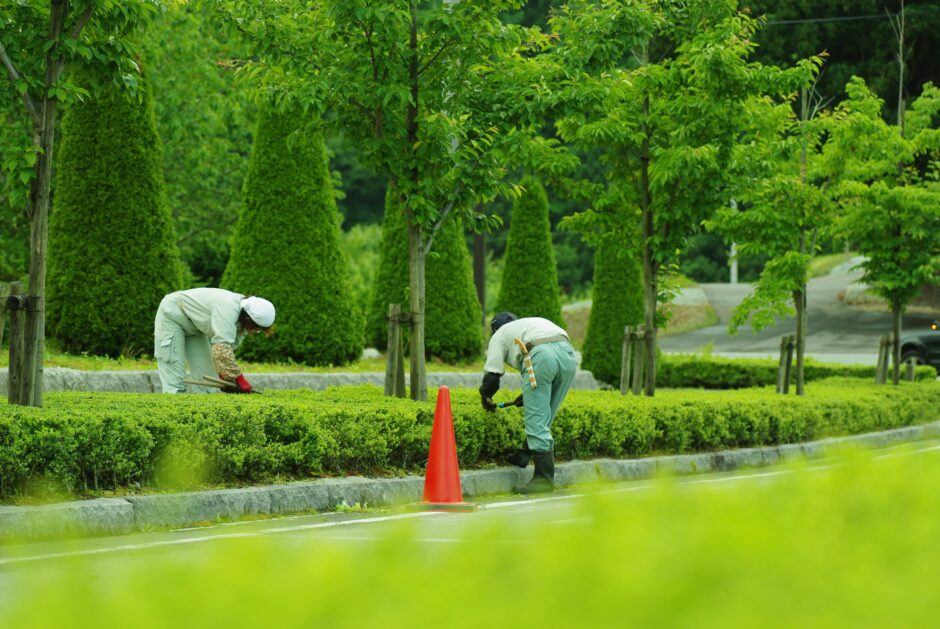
[64, 379]
[115, 516]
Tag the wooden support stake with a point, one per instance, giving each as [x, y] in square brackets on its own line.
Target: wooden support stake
[880, 370]
[394, 344]
[909, 370]
[626, 359]
[3, 311]
[15, 304]
[788, 367]
[781, 363]
[639, 362]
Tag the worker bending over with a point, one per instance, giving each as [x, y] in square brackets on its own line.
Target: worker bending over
[202, 327]
[542, 353]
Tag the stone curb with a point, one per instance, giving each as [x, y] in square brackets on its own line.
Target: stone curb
[63, 379]
[115, 516]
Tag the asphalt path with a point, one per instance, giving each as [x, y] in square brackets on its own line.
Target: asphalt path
[25, 566]
[836, 332]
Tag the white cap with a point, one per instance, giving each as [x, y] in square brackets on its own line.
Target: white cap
[260, 310]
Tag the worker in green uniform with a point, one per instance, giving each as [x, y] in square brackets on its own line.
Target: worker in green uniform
[202, 327]
[542, 353]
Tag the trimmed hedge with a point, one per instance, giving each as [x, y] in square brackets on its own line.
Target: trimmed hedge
[530, 278]
[288, 248]
[112, 247]
[684, 371]
[82, 442]
[452, 312]
[617, 303]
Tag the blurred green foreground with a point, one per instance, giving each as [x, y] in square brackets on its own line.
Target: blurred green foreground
[851, 543]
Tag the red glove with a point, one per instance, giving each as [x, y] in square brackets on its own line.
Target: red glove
[243, 385]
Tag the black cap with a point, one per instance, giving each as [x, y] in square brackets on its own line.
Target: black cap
[502, 319]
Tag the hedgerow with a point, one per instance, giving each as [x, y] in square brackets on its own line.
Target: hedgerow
[715, 372]
[84, 443]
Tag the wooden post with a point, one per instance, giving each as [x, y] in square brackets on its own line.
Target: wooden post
[3, 311]
[394, 358]
[909, 374]
[788, 367]
[881, 372]
[639, 362]
[626, 359]
[14, 303]
[781, 363]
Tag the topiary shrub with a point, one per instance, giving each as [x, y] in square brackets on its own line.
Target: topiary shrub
[617, 303]
[530, 280]
[288, 248]
[112, 247]
[453, 314]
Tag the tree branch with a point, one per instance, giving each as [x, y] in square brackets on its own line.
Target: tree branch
[82, 21]
[14, 76]
[440, 221]
[440, 51]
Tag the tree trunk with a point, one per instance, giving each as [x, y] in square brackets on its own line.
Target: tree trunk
[40, 196]
[649, 262]
[416, 255]
[896, 343]
[799, 299]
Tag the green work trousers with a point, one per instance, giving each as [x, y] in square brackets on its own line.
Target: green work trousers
[555, 366]
[177, 343]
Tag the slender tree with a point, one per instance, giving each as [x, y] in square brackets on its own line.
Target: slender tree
[112, 248]
[288, 247]
[886, 185]
[433, 98]
[666, 115]
[38, 40]
[530, 280]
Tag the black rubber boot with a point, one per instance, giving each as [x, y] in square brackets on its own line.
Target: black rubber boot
[543, 481]
[521, 457]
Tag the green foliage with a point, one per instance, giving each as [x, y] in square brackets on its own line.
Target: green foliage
[617, 303]
[851, 543]
[97, 36]
[714, 372]
[363, 245]
[203, 116]
[453, 316]
[83, 442]
[112, 249]
[287, 248]
[886, 183]
[530, 280]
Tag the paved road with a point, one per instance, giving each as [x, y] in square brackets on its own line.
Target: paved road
[100, 559]
[836, 332]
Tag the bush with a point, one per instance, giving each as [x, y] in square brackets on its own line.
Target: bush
[112, 248]
[530, 278]
[452, 313]
[714, 372]
[288, 248]
[617, 303]
[85, 442]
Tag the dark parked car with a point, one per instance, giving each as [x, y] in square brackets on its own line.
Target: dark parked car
[922, 346]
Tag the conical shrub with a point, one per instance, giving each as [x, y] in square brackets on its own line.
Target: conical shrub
[288, 248]
[112, 248]
[453, 314]
[617, 303]
[529, 285]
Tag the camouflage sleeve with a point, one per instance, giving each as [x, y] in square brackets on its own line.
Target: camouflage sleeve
[223, 357]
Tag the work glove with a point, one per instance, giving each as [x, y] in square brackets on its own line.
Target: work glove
[518, 401]
[488, 403]
[243, 385]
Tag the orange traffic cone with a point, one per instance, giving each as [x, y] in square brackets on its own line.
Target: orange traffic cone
[442, 481]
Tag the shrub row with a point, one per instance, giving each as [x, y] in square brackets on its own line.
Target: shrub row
[86, 443]
[714, 372]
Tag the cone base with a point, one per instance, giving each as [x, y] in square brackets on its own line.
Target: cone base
[444, 506]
